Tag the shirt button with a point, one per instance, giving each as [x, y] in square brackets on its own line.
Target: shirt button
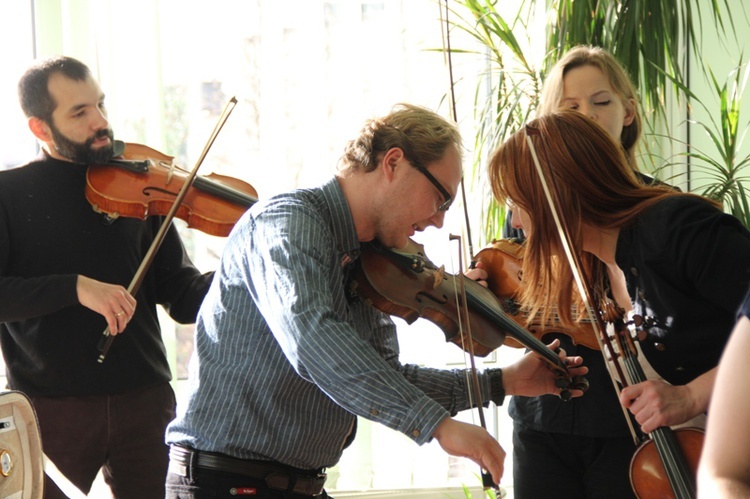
[634, 271]
[374, 412]
[415, 433]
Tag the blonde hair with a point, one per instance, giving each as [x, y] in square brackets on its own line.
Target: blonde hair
[586, 55]
[423, 135]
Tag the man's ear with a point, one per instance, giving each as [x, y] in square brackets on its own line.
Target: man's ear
[40, 129]
[390, 160]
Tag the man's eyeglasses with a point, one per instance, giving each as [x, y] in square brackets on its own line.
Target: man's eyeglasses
[448, 199]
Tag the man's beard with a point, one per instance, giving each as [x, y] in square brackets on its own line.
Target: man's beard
[81, 152]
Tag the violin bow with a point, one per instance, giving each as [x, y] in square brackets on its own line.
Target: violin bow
[447, 56]
[553, 200]
[107, 338]
[487, 481]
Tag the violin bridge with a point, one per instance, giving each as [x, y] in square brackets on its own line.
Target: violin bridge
[438, 277]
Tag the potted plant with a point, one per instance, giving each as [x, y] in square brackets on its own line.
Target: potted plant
[649, 37]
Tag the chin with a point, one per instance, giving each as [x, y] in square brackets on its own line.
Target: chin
[394, 242]
[402, 246]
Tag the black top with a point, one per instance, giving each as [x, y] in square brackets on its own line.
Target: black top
[49, 234]
[745, 307]
[687, 266]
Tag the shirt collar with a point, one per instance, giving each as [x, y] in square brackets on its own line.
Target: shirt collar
[342, 223]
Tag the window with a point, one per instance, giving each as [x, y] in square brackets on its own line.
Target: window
[15, 31]
[306, 74]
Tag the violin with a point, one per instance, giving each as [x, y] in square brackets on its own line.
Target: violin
[665, 463]
[144, 181]
[408, 285]
[502, 261]
[141, 184]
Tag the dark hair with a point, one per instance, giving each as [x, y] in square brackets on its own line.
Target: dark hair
[422, 134]
[33, 88]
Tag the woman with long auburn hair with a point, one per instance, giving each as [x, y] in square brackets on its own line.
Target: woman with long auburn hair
[597, 188]
[673, 257]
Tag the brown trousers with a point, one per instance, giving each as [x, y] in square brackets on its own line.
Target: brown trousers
[121, 434]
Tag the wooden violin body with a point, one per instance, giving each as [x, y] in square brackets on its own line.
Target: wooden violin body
[410, 288]
[681, 449]
[408, 285]
[146, 183]
[666, 462]
[502, 261]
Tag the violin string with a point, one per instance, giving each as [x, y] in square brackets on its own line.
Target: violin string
[464, 346]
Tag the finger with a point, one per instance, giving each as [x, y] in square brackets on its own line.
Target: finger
[648, 425]
[128, 309]
[495, 468]
[121, 318]
[112, 325]
[130, 300]
[573, 361]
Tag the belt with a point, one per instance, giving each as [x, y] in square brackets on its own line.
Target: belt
[276, 476]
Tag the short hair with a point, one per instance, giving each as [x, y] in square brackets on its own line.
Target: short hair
[586, 55]
[33, 88]
[422, 134]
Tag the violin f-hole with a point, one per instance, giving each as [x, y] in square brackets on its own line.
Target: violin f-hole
[441, 300]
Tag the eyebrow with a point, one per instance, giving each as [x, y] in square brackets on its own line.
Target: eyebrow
[79, 107]
[595, 94]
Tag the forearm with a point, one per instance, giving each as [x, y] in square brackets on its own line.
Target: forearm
[22, 299]
[700, 392]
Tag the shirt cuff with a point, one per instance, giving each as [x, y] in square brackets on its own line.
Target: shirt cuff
[497, 391]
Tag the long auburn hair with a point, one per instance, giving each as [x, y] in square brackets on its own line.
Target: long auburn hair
[596, 187]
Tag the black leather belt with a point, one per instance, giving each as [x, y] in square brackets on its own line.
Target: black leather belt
[276, 476]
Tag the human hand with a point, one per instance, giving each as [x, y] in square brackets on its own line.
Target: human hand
[477, 274]
[532, 376]
[656, 403]
[473, 442]
[112, 301]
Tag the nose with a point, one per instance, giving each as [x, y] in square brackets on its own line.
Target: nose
[437, 219]
[100, 120]
[515, 220]
[588, 110]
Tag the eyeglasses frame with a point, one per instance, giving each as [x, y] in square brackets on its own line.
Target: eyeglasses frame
[448, 199]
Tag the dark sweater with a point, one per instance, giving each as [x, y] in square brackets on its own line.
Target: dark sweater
[49, 234]
[687, 265]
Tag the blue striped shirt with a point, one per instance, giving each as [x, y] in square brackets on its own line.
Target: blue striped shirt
[283, 361]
